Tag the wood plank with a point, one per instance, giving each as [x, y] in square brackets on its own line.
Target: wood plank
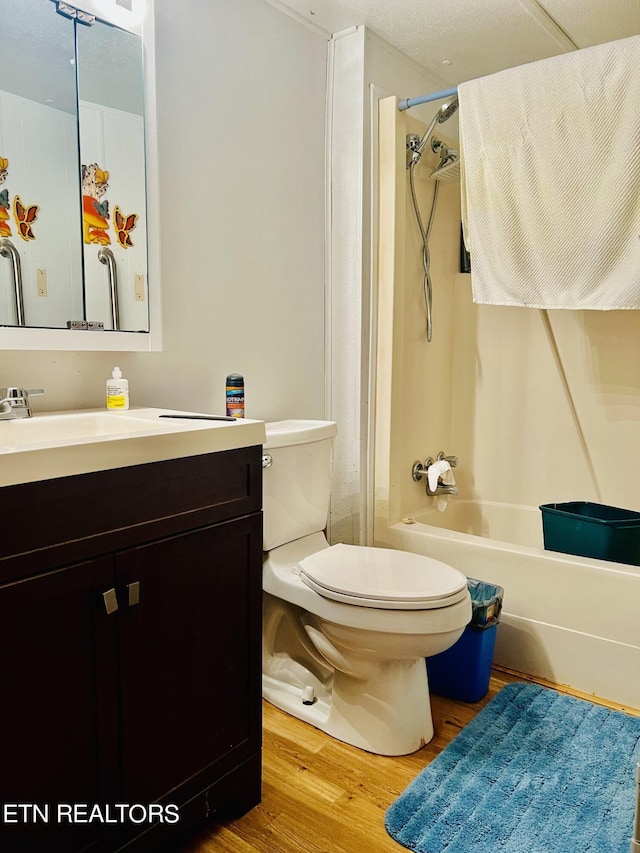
[324, 796]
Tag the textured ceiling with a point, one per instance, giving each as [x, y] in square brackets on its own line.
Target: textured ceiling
[462, 39]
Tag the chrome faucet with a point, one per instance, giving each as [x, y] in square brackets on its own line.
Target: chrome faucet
[441, 489]
[420, 470]
[14, 403]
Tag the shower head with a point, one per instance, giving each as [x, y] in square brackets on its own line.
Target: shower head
[447, 109]
[445, 112]
[448, 168]
[449, 172]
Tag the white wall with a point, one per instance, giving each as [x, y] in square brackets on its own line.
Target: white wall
[241, 104]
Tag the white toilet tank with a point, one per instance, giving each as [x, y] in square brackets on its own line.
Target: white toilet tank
[297, 479]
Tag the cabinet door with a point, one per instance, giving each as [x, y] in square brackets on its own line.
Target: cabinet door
[55, 655]
[190, 658]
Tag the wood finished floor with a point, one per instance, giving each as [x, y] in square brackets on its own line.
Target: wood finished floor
[322, 796]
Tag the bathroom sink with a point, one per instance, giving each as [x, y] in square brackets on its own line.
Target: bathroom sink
[69, 428]
[61, 444]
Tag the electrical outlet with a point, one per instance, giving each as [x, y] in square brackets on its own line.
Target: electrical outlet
[138, 287]
[41, 281]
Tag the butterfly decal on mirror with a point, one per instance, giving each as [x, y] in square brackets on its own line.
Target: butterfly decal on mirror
[25, 216]
[123, 225]
[95, 207]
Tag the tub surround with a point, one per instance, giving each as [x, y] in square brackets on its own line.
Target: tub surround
[569, 620]
[536, 409]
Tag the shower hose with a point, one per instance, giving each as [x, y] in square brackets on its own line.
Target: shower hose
[428, 296]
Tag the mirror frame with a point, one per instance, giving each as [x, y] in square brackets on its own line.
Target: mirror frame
[140, 22]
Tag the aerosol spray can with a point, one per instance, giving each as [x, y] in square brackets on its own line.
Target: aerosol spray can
[235, 395]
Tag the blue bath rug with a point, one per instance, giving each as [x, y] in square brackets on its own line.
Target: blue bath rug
[534, 772]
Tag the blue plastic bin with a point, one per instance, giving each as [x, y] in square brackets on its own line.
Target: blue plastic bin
[463, 671]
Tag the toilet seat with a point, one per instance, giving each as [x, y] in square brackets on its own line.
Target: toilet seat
[382, 577]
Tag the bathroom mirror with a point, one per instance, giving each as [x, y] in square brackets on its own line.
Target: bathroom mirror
[76, 168]
[40, 254]
[112, 146]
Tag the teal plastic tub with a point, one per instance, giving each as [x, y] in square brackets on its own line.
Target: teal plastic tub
[592, 530]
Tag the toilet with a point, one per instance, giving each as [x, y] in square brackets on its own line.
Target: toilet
[346, 628]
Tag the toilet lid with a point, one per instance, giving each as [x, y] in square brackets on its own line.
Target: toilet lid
[382, 577]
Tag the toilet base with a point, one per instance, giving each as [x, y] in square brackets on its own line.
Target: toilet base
[388, 713]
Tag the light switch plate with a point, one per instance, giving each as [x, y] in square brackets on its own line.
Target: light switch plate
[138, 287]
[41, 281]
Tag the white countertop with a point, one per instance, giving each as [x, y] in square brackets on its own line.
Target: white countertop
[63, 444]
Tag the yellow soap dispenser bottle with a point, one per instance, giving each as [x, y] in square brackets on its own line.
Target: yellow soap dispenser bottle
[117, 392]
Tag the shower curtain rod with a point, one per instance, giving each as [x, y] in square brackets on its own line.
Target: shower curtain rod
[425, 99]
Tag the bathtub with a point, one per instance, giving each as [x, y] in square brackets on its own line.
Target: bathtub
[572, 620]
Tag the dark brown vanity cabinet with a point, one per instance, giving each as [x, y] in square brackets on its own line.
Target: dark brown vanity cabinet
[130, 637]
[52, 644]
